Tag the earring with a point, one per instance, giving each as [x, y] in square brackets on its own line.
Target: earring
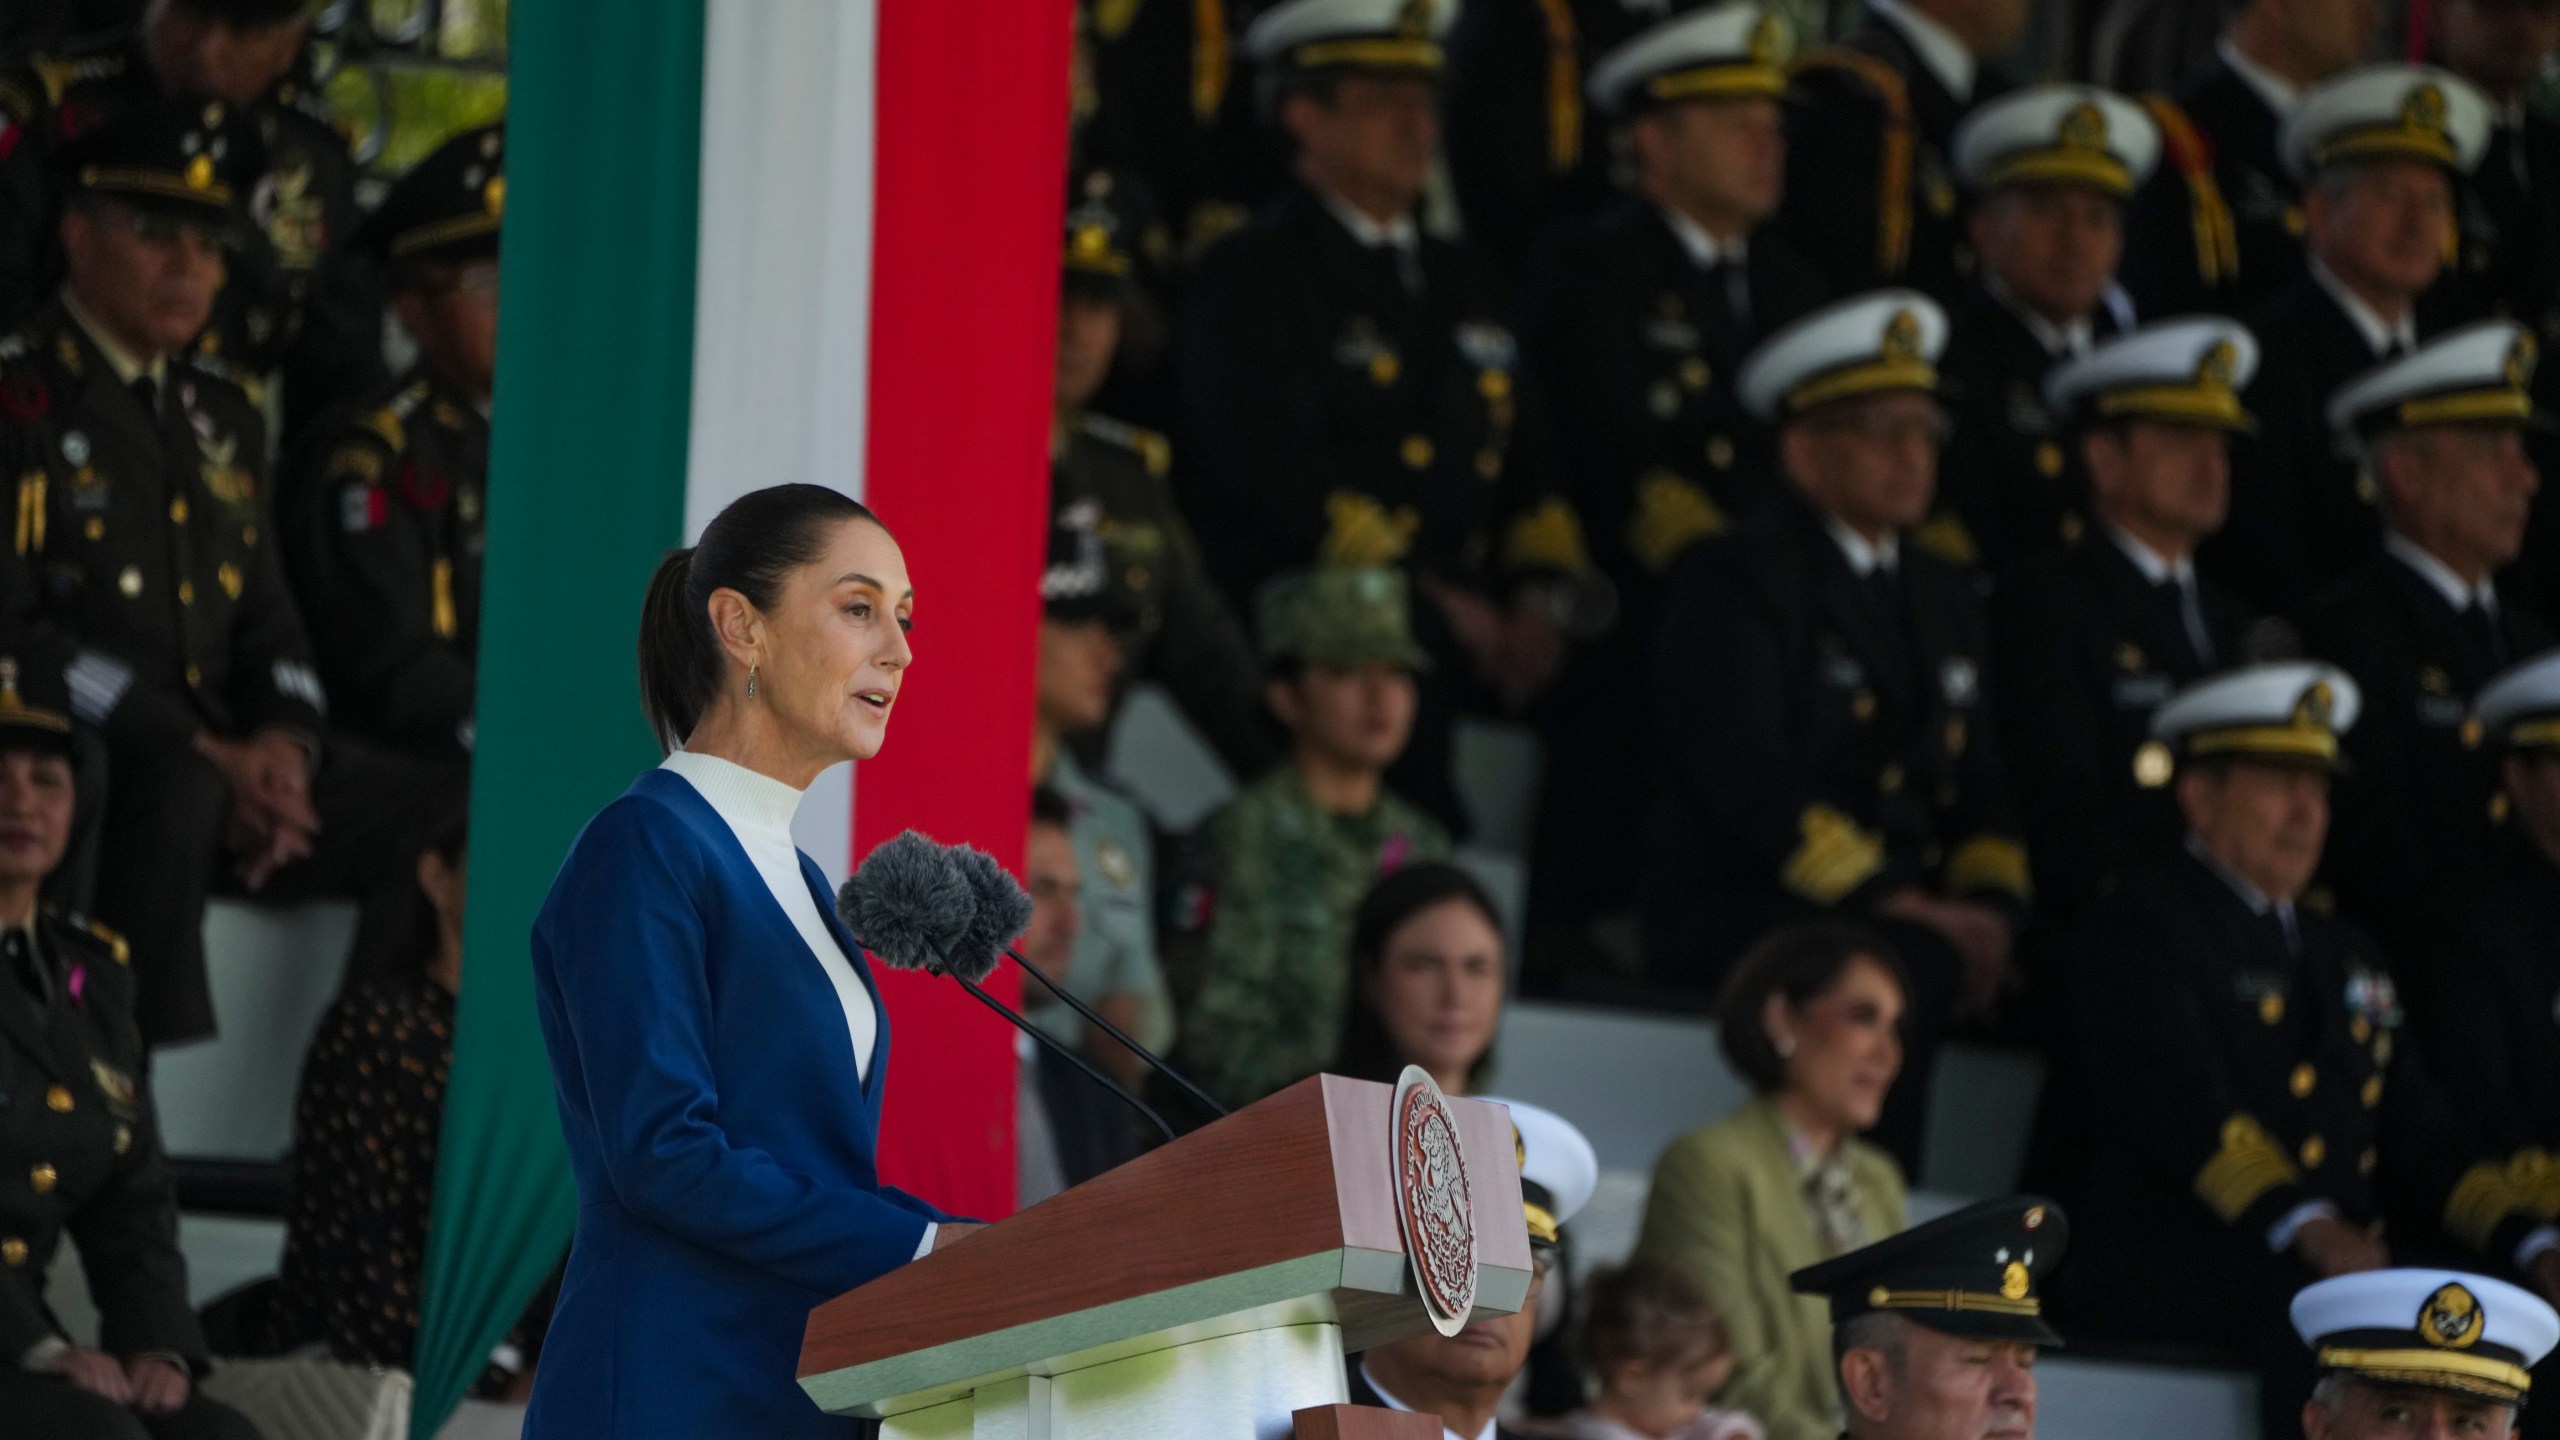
[751, 682]
[1786, 1047]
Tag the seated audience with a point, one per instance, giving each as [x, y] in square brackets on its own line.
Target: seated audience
[365, 1128]
[2420, 1352]
[1426, 980]
[1822, 701]
[1657, 1351]
[1067, 1129]
[2242, 1056]
[83, 1131]
[1086, 611]
[1935, 1330]
[1811, 1018]
[1462, 1378]
[1292, 855]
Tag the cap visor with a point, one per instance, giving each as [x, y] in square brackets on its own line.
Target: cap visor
[1971, 1325]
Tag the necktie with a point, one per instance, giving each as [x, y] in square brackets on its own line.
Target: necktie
[2488, 643]
[2288, 929]
[1408, 267]
[30, 971]
[147, 392]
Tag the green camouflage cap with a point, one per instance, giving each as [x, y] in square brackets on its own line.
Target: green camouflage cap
[1339, 615]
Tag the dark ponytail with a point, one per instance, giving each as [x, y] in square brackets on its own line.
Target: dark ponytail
[750, 547]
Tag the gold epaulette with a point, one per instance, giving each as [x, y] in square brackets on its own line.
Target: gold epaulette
[1945, 536]
[1360, 531]
[1211, 59]
[2480, 1199]
[115, 943]
[1994, 863]
[2217, 240]
[2243, 1169]
[1834, 856]
[1546, 538]
[1564, 86]
[1671, 515]
[1893, 173]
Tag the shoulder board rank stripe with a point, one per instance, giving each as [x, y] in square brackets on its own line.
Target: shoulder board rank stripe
[2217, 240]
[1835, 857]
[1893, 174]
[2243, 1169]
[1211, 61]
[2480, 1199]
[1564, 87]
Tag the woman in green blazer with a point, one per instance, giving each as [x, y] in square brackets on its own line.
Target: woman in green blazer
[1811, 1018]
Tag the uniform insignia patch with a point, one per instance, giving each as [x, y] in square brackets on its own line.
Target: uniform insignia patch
[1959, 680]
[2371, 997]
[1116, 865]
[360, 508]
[75, 446]
[424, 488]
[230, 482]
[117, 1086]
[1487, 346]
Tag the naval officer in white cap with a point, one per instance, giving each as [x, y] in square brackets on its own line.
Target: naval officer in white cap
[2410, 1353]
[2050, 169]
[2379, 151]
[2298, 1112]
[2501, 938]
[2089, 639]
[1823, 731]
[2423, 623]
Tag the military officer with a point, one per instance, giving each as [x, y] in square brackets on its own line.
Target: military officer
[1936, 1329]
[1822, 719]
[2493, 978]
[2220, 227]
[1352, 389]
[293, 303]
[1182, 634]
[1461, 1378]
[383, 523]
[2379, 149]
[2425, 1352]
[2424, 624]
[2298, 1114]
[78, 1140]
[1636, 322]
[1291, 855]
[2088, 640]
[143, 518]
[2048, 169]
[1870, 193]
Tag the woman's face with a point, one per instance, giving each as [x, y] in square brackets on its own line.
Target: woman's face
[835, 648]
[1847, 1042]
[1438, 989]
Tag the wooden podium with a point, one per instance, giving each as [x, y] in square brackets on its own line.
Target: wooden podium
[1207, 1290]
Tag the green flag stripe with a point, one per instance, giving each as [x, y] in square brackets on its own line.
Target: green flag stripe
[586, 493]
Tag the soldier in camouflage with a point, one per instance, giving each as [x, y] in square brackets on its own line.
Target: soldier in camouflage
[1294, 853]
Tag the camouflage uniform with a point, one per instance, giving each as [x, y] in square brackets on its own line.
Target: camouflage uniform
[1289, 873]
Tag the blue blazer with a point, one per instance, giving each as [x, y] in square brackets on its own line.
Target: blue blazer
[723, 1148]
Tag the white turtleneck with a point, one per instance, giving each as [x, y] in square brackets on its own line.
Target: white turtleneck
[758, 809]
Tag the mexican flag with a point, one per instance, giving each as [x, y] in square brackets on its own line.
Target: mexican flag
[748, 242]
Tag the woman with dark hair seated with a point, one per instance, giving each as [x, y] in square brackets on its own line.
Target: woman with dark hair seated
[76, 1121]
[1812, 1018]
[1426, 979]
[365, 1127]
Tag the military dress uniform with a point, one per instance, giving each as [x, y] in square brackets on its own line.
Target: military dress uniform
[1636, 323]
[80, 1151]
[1354, 393]
[144, 521]
[2492, 987]
[1871, 194]
[1823, 727]
[1288, 873]
[2416, 807]
[2219, 228]
[2302, 513]
[293, 303]
[1180, 631]
[2088, 640]
[2296, 1092]
[385, 511]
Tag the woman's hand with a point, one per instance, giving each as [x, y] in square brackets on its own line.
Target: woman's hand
[951, 1232]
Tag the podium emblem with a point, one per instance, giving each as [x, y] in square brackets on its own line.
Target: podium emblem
[1433, 1200]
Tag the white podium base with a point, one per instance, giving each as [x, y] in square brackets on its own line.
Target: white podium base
[1233, 1387]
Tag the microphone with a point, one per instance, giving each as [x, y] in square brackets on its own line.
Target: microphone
[1003, 912]
[911, 908]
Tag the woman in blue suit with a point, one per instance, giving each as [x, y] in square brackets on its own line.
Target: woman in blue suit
[718, 1046]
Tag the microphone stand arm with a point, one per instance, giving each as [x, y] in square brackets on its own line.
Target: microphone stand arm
[1114, 1031]
[1063, 1053]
